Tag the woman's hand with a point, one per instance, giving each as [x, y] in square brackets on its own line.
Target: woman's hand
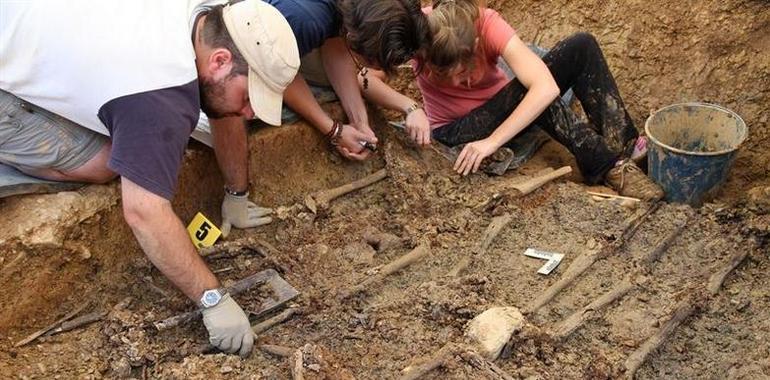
[418, 127]
[350, 142]
[366, 130]
[473, 153]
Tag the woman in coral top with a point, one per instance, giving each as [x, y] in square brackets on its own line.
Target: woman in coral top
[469, 100]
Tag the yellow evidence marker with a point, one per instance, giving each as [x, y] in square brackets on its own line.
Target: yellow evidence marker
[203, 232]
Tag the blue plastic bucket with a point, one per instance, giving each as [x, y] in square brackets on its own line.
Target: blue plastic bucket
[693, 146]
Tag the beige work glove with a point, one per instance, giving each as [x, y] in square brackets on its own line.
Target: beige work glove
[240, 212]
[228, 327]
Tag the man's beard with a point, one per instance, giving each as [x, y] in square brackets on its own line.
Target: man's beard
[212, 95]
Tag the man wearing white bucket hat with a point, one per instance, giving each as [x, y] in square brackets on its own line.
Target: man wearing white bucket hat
[93, 90]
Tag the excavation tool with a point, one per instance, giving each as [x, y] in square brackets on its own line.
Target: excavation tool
[283, 291]
[320, 200]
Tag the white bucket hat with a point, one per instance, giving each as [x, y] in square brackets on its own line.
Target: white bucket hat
[266, 41]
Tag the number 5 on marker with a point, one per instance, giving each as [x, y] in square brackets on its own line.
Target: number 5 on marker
[203, 232]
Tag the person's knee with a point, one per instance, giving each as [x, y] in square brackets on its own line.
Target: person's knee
[42, 173]
[103, 176]
[94, 170]
[96, 176]
[585, 39]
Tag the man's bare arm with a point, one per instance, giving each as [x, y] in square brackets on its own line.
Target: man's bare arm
[165, 241]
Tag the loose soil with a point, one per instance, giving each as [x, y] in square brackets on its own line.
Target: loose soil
[57, 251]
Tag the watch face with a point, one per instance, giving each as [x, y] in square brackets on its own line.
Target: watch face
[211, 298]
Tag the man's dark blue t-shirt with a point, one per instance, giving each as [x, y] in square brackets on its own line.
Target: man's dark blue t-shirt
[312, 21]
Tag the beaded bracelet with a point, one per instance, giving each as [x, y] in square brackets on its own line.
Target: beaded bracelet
[363, 73]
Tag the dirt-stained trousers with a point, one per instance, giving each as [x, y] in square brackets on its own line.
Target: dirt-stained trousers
[576, 62]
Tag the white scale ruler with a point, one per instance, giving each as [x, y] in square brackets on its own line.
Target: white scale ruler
[553, 259]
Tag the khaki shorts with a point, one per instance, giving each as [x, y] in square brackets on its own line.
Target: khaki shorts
[33, 138]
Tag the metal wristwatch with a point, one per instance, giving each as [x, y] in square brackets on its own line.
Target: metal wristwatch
[211, 298]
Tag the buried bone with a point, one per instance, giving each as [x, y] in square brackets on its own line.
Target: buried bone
[530, 185]
[321, 199]
[587, 259]
[452, 352]
[394, 266]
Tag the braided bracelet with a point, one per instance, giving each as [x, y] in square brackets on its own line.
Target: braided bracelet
[335, 140]
[333, 130]
[335, 133]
